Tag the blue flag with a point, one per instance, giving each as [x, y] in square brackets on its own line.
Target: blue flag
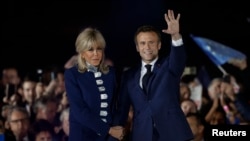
[217, 52]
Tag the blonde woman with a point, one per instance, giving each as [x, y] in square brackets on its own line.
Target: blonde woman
[90, 86]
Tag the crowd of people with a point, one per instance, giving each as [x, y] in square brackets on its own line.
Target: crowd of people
[84, 101]
[32, 108]
[224, 101]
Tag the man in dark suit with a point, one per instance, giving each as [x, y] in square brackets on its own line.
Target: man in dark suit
[157, 113]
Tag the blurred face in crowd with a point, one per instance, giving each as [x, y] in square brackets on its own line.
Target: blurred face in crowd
[44, 136]
[19, 124]
[184, 92]
[29, 91]
[235, 85]
[39, 90]
[227, 89]
[148, 46]
[60, 88]
[10, 75]
[214, 89]
[49, 112]
[93, 55]
[188, 106]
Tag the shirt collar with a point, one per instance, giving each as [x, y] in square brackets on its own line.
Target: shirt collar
[151, 63]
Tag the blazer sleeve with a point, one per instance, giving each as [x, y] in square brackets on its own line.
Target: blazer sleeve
[177, 60]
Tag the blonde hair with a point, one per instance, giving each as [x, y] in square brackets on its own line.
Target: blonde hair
[85, 40]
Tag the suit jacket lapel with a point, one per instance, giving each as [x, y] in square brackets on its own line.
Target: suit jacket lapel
[137, 76]
[158, 64]
[151, 79]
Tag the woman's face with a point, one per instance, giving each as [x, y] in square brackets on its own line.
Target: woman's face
[94, 55]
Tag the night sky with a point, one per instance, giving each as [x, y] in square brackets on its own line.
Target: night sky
[40, 34]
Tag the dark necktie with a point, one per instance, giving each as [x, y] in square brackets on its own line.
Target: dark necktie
[146, 77]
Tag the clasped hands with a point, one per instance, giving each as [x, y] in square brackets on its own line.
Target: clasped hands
[117, 132]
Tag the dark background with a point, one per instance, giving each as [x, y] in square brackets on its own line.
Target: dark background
[40, 34]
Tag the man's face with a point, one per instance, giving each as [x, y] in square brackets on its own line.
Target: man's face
[48, 112]
[29, 91]
[148, 45]
[19, 123]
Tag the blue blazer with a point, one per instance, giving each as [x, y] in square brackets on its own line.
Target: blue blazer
[160, 108]
[91, 101]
